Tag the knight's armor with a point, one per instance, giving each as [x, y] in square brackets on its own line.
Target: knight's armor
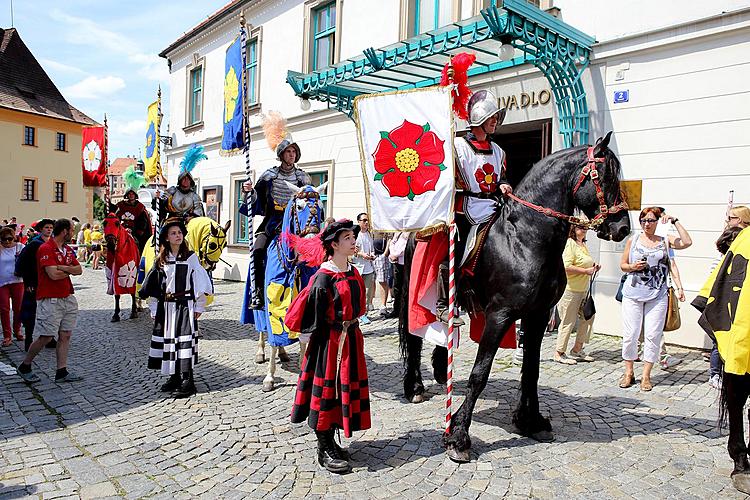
[184, 203]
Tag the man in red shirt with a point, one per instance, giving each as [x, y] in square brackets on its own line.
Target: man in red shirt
[57, 308]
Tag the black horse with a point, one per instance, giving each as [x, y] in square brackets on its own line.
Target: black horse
[520, 274]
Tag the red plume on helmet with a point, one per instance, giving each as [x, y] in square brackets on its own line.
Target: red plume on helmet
[460, 64]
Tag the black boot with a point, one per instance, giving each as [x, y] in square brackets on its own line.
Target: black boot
[441, 305]
[257, 300]
[328, 454]
[187, 387]
[172, 384]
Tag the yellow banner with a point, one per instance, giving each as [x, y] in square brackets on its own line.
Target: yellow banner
[152, 167]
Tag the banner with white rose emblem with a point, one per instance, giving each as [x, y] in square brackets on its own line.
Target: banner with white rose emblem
[406, 146]
[94, 157]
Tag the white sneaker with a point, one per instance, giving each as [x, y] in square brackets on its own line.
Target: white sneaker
[715, 382]
[668, 361]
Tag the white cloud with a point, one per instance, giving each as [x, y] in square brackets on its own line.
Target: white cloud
[131, 128]
[87, 32]
[60, 67]
[93, 87]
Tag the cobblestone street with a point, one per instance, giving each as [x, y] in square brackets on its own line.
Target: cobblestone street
[114, 434]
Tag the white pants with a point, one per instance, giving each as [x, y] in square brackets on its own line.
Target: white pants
[651, 315]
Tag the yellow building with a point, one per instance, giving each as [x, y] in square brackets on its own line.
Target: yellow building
[40, 141]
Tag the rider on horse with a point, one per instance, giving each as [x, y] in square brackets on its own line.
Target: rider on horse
[131, 212]
[271, 194]
[182, 200]
[480, 179]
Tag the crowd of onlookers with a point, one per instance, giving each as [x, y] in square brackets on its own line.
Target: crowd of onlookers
[36, 292]
[649, 269]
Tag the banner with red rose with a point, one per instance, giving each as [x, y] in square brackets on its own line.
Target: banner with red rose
[94, 157]
[406, 147]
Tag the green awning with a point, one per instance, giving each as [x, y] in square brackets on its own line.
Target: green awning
[560, 51]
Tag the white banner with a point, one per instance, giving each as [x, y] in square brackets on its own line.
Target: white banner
[406, 146]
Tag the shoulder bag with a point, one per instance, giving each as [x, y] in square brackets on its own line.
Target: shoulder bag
[672, 321]
[588, 309]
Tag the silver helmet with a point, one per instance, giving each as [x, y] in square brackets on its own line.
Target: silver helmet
[482, 106]
[286, 143]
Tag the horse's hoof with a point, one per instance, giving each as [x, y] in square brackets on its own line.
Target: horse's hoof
[260, 358]
[114, 319]
[543, 436]
[458, 456]
[741, 482]
[283, 357]
[267, 385]
[417, 398]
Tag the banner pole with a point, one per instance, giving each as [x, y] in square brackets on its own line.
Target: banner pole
[246, 151]
[451, 327]
[106, 164]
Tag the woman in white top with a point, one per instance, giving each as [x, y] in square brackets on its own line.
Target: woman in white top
[11, 286]
[648, 262]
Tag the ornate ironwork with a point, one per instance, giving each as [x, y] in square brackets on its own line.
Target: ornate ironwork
[558, 50]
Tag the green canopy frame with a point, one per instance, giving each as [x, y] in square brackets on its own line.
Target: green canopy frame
[558, 50]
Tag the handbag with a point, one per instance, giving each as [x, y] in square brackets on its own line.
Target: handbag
[672, 322]
[588, 309]
[618, 295]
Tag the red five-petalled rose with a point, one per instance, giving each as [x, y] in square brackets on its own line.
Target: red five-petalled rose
[487, 178]
[409, 159]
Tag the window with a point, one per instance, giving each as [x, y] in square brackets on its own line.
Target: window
[253, 82]
[432, 14]
[59, 192]
[29, 134]
[324, 36]
[195, 96]
[60, 142]
[29, 189]
[240, 222]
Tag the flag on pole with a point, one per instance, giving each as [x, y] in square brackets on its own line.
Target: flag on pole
[406, 146]
[233, 139]
[94, 157]
[152, 168]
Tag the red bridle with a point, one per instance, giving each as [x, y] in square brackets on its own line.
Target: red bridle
[588, 170]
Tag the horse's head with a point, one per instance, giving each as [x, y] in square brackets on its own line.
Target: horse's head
[597, 192]
[111, 226]
[213, 244]
[306, 211]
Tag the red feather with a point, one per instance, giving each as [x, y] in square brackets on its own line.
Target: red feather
[460, 63]
[309, 250]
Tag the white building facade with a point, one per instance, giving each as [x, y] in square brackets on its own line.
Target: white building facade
[684, 130]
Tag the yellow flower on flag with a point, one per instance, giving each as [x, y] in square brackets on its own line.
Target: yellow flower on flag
[231, 93]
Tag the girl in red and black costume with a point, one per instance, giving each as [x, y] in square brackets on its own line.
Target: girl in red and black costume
[331, 394]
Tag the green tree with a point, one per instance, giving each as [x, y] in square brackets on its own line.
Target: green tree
[100, 208]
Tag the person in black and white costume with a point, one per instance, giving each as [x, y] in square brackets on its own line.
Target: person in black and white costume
[177, 286]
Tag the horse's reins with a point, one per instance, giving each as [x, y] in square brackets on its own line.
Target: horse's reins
[588, 170]
[298, 230]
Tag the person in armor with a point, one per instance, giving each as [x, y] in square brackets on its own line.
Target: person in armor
[270, 195]
[131, 212]
[480, 180]
[182, 200]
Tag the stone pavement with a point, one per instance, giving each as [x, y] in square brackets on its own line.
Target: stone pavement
[115, 435]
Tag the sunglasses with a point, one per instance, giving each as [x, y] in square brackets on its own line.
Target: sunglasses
[364, 220]
[648, 221]
[7, 239]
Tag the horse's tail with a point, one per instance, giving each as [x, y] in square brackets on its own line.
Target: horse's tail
[403, 314]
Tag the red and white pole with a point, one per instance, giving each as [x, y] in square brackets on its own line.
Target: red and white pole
[451, 328]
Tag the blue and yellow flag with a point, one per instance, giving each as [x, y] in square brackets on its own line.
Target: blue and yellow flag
[152, 168]
[233, 139]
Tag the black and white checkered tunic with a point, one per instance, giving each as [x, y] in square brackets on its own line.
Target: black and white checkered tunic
[174, 346]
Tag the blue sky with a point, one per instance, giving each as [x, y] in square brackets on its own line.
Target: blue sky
[103, 54]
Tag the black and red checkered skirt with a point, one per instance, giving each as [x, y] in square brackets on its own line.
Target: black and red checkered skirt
[331, 396]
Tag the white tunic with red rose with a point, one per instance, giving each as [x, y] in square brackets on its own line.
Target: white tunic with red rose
[480, 167]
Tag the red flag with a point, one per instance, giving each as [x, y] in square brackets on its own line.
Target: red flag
[94, 157]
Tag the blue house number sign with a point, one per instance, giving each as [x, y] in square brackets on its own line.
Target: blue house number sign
[622, 96]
